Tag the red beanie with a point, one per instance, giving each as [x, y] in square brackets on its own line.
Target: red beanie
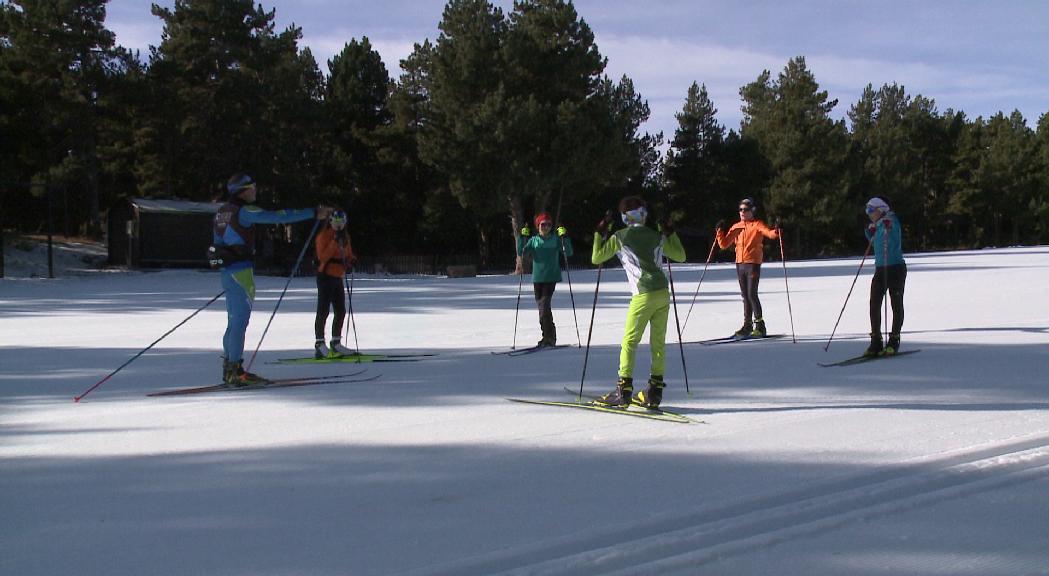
[542, 217]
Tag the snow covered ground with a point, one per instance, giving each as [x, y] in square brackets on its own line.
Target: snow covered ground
[930, 464]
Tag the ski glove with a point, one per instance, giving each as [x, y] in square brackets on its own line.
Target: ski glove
[526, 232]
[561, 231]
[666, 227]
[720, 225]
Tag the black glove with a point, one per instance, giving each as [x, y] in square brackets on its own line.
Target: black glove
[666, 226]
[606, 223]
[720, 226]
[776, 223]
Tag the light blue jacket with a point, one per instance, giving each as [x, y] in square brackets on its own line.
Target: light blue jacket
[887, 250]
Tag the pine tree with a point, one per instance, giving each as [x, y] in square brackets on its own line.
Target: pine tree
[55, 60]
[805, 149]
[226, 92]
[694, 169]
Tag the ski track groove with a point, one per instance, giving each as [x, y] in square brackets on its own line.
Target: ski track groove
[678, 544]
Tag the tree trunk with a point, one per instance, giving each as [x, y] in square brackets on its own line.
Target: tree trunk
[517, 221]
[482, 248]
[94, 216]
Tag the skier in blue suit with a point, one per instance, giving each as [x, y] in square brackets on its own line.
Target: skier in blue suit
[234, 252]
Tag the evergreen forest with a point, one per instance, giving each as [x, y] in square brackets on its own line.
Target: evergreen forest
[453, 150]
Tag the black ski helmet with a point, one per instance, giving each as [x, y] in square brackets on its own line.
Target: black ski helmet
[749, 203]
[238, 182]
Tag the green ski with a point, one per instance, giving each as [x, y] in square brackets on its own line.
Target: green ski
[631, 410]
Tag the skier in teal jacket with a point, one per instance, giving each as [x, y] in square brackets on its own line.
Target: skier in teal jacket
[890, 274]
[641, 250]
[545, 250]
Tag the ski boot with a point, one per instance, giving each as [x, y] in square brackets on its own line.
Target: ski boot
[320, 351]
[238, 377]
[229, 369]
[620, 397]
[651, 396]
[759, 329]
[876, 348]
[893, 345]
[745, 331]
[338, 350]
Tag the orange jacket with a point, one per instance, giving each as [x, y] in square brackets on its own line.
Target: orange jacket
[330, 255]
[748, 238]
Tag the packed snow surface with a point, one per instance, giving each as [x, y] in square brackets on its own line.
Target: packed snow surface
[934, 463]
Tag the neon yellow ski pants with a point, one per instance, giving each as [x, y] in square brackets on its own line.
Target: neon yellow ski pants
[648, 309]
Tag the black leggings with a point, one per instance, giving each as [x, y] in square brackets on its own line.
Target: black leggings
[897, 279]
[749, 275]
[544, 294]
[330, 294]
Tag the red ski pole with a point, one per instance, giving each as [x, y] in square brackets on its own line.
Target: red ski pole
[144, 350]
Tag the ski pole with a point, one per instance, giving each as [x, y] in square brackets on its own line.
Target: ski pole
[570, 294]
[677, 321]
[353, 322]
[517, 309]
[561, 242]
[885, 279]
[349, 291]
[603, 229]
[144, 350]
[701, 277]
[294, 270]
[790, 311]
[590, 334]
[864, 259]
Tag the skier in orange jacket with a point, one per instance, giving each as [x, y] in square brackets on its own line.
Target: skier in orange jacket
[748, 235]
[334, 253]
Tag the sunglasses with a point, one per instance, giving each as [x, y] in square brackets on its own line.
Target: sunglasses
[744, 208]
[872, 209]
[545, 223]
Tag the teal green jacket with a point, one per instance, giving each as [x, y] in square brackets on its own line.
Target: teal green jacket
[546, 255]
[641, 250]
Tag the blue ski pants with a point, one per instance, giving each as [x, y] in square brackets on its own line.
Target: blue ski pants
[240, 294]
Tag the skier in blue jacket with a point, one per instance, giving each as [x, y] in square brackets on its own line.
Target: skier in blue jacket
[234, 252]
[890, 274]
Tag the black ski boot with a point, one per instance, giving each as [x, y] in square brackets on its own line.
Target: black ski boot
[745, 331]
[549, 339]
[876, 348]
[229, 369]
[238, 377]
[651, 396]
[620, 397]
[759, 329]
[893, 345]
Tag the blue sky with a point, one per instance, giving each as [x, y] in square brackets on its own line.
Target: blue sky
[978, 56]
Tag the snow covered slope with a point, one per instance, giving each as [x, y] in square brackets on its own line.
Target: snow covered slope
[932, 463]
